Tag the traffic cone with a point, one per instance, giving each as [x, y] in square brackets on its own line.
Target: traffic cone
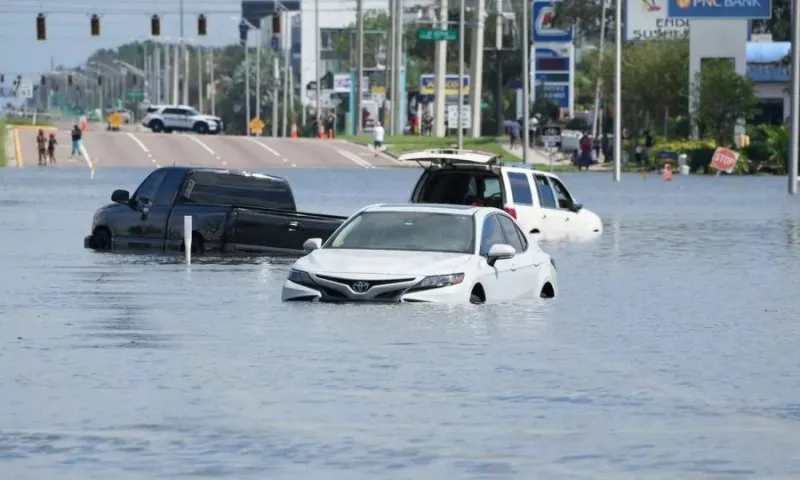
[330, 134]
[321, 133]
[294, 130]
[84, 124]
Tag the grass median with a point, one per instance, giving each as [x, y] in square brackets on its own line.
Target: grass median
[3, 138]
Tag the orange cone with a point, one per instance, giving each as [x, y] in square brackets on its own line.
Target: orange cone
[294, 130]
[321, 133]
[330, 134]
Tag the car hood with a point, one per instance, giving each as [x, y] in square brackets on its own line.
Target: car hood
[382, 262]
[209, 117]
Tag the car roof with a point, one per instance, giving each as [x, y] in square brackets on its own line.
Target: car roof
[434, 208]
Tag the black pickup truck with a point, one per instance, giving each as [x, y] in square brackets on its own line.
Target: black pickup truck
[232, 212]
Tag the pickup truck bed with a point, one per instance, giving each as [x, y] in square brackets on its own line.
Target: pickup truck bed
[285, 231]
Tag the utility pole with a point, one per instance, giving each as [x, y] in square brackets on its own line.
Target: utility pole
[398, 119]
[526, 81]
[276, 80]
[599, 64]
[618, 93]
[200, 88]
[287, 58]
[318, 68]
[247, 80]
[183, 57]
[176, 99]
[476, 78]
[794, 123]
[389, 72]
[459, 125]
[498, 65]
[258, 68]
[165, 77]
[359, 65]
[212, 83]
[440, 72]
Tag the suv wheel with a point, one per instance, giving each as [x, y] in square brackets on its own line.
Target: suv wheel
[156, 126]
[201, 127]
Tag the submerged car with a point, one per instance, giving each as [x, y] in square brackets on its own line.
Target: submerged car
[423, 253]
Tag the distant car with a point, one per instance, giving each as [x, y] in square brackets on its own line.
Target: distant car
[423, 253]
[181, 118]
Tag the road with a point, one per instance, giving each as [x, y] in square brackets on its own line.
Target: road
[102, 149]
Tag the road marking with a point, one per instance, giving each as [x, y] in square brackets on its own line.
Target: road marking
[286, 160]
[355, 158]
[205, 147]
[142, 146]
[85, 155]
[264, 146]
[18, 148]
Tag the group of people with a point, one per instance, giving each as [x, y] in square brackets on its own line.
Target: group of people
[46, 145]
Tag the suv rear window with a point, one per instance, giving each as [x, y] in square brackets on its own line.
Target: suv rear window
[462, 187]
[520, 188]
[238, 190]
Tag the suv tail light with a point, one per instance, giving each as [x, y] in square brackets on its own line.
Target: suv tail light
[511, 212]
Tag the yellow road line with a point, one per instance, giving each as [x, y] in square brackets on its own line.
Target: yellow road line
[36, 127]
[18, 148]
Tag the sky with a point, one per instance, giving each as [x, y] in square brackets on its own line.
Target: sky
[68, 37]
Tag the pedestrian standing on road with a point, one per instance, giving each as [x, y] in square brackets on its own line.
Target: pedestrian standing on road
[51, 148]
[76, 141]
[377, 137]
[513, 134]
[41, 146]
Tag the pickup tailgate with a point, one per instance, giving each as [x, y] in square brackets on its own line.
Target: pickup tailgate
[257, 230]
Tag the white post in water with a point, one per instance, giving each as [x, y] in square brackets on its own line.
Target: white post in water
[187, 238]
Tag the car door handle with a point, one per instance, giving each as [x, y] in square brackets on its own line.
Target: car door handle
[293, 225]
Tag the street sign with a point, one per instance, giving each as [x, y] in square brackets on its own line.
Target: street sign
[430, 34]
[135, 94]
[25, 90]
[256, 126]
[551, 134]
[452, 116]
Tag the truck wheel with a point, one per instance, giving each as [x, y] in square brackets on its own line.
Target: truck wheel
[156, 126]
[101, 239]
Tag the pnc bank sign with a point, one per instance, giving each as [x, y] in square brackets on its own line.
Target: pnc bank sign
[720, 9]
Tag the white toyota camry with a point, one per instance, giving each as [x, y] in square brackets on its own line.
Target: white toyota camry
[423, 253]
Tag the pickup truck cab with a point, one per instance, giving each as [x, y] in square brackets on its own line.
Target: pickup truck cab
[538, 200]
[232, 211]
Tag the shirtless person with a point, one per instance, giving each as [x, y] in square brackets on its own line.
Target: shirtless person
[41, 146]
[51, 148]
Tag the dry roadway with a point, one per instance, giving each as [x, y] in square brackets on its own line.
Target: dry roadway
[129, 148]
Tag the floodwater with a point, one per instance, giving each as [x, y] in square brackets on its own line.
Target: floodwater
[672, 352]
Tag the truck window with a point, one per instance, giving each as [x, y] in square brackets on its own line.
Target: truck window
[238, 190]
[546, 197]
[564, 198]
[520, 188]
[169, 187]
[459, 187]
[149, 186]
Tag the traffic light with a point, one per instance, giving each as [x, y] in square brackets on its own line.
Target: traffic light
[202, 26]
[99, 79]
[69, 80]
[41, 27]
[2, 78]
[155, 26]
[44, 80]
[95, 25]
[134, 80]
[276, 23]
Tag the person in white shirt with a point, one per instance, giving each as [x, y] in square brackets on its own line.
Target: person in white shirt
[377, 137]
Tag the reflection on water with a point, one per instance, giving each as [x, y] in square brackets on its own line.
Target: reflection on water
[671, 352]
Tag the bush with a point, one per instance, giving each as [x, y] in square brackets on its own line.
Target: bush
[698, 151]
[769, 149]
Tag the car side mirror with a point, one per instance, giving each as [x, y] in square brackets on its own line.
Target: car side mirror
[312, 244]
[576, 207]
[500, 251]
[120, 196]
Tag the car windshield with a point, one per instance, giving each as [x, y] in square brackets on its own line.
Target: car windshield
[409, 231]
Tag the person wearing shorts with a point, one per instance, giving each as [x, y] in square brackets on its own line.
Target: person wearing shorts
[377, 137]
[76, 141]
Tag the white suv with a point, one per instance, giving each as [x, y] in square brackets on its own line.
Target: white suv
[538, 200]
[181, 118]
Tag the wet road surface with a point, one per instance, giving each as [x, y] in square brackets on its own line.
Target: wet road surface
[670, 354]
[144, 149]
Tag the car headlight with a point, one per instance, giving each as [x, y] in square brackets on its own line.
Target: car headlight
[300, 277]
[439, 281]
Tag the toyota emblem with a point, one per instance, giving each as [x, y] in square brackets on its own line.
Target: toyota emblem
[360, 286]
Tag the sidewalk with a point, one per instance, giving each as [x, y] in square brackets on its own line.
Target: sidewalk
[541, 157]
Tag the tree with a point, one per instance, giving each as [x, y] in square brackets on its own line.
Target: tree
[722, 98]
[655, 82]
